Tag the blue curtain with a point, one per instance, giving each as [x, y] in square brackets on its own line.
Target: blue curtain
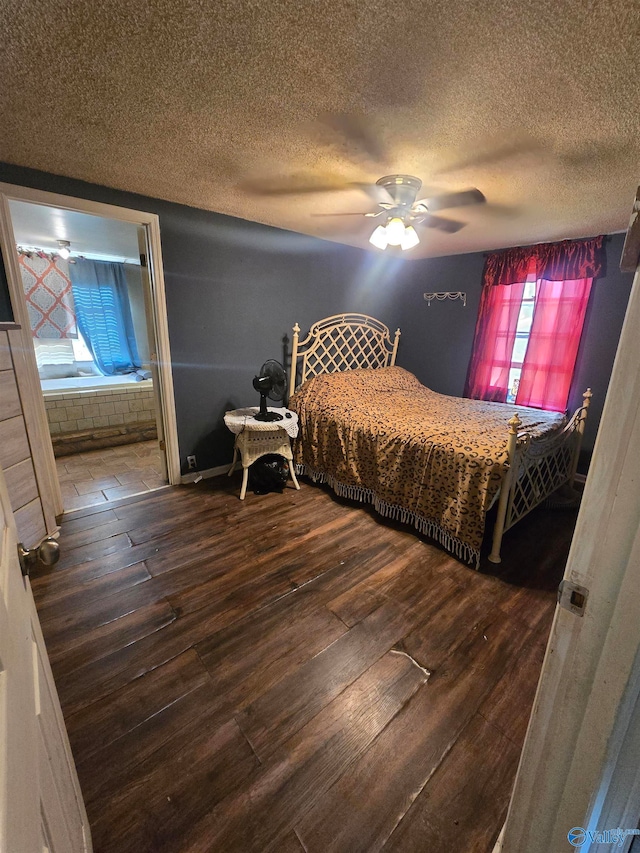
[103, 313]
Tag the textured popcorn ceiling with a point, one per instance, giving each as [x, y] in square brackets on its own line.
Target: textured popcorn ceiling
[216, 103]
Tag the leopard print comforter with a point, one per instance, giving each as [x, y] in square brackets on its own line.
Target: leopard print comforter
[431, 460]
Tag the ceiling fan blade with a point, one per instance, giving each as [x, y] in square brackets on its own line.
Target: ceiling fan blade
[462, 199]
[493, 151]
[450, 226]
[294, 185]
[349, 213]
[307, 184]
[377, 193]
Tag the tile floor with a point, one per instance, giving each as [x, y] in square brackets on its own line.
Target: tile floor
[87, 479]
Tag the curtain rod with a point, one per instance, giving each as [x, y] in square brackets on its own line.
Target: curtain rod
[30, 250]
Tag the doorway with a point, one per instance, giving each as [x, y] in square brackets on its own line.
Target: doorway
[100, 371]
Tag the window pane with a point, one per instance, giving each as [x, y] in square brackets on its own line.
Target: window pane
[53, 351]
[514, 381]
[525, 317]
[80, 349]
[519, 349]
[523, 327]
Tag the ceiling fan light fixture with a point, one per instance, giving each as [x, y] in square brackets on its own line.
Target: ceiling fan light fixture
[410, 238]
[395, 231]
[379, 237]
[64, 249]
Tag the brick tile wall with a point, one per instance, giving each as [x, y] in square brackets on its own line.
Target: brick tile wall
[82, 410]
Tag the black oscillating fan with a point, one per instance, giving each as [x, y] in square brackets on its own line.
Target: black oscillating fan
[271, 382]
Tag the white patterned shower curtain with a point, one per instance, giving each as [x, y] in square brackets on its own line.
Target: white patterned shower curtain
[47, 288]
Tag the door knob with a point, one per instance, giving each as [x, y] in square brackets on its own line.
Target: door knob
[47, 552]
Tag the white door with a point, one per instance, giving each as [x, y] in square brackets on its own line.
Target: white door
[41, 808]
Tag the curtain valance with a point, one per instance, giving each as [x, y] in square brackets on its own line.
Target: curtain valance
[565, 261]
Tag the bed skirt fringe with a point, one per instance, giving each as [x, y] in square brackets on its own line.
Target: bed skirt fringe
[424, 525]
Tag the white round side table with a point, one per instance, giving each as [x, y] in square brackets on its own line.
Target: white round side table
[257, 438]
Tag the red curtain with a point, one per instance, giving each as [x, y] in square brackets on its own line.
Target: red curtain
[570, 259]
[488, 374]
[564, 273]
[558, 318]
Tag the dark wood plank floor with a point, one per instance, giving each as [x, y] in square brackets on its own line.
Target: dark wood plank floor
[292, 673]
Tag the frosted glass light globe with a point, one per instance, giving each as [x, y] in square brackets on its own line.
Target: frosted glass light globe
[379, 237]
[410, 238]
[395, 231]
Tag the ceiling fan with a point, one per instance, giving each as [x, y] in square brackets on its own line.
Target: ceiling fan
[396, 196]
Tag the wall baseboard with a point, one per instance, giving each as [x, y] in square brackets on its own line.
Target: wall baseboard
[192, 476]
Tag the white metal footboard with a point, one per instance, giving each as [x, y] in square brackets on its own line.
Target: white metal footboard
[537, 468]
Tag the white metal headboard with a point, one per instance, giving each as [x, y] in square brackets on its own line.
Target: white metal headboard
[341, 342]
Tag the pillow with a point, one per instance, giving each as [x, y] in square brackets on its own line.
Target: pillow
[380, 380]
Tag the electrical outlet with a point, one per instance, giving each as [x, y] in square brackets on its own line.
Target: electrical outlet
[191, 462]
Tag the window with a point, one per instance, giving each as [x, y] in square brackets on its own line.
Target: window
[532, 311]
[81, 351]
[523, 330]
[59, 358]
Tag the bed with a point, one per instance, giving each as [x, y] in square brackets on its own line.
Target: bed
[374, 433]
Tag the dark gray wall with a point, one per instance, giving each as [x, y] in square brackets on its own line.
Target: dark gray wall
[437, 340]
[6, 314]
[234, 290]
[603, 324]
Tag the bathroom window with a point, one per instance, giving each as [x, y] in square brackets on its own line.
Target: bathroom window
[58, 358]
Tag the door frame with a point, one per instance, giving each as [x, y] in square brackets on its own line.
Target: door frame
[29, 388]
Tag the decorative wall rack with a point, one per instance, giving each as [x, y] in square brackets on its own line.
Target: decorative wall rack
[448, 294]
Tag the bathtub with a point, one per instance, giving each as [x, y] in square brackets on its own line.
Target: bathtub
[96, 402]
[90, 383]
